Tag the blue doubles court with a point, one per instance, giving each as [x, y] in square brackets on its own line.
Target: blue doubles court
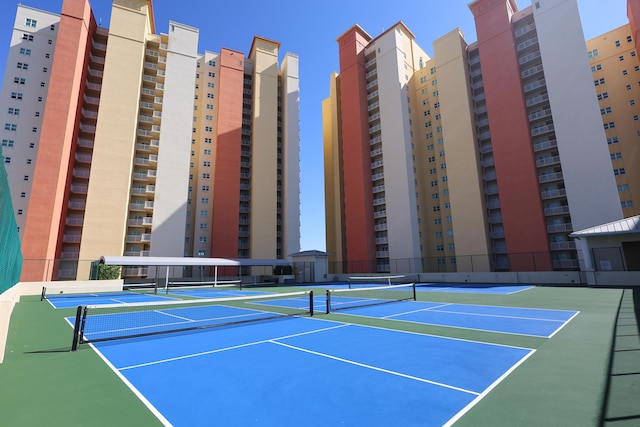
[306, 371]
[293, 369]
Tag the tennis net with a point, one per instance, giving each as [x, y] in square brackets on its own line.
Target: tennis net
[366, 281]
[191, 285]
[344, 299]
[95, 323]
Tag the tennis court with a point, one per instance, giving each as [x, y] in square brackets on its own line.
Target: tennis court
[311, 372]
[471, 288]
[74, 300]
[368, 365]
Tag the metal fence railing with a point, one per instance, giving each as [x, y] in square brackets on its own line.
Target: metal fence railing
[526, 261]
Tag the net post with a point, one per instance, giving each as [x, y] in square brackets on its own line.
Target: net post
[76, 328]
[414, 291]
[44, 291]
[311, 303]
[328, 301]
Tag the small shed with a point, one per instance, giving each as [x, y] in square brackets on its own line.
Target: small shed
[310, 266]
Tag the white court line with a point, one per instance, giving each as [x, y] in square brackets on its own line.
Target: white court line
[564, 324]
[375, 368]
[486, 391]
[416, 311]
[204, 353]
[494, 315]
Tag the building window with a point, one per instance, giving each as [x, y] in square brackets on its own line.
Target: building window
[437, 221]
[203, 226]
[205, 188]
[212, 74]
[28, 161]
[431, 159]
[7, 160]
[609, 125]
[438, 234]
[204, 213]
[596, 67]
[603, 95]
[10, 126]
[23, 66]
[621, 58]
[447, 205]
[623, 187]
[23, 195]
[16, 95]
[592, 53]
[206, 175]
[202, 252]
[617, 43]
[619, 171]
[439, 248]
[632, 102]
[24, 51]
[19, 80]
[633, 53]
[204, 201]
[209, 106]
[202, 239]
[31, 23]
[26, 178]
[14, 111]
[627, 203]
[7, 142]
[612, 140]
[629, 39]
[206, 164]
[436, 208]
[599, 81]
[605, 110]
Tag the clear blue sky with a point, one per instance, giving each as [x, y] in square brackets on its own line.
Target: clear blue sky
[309, 29]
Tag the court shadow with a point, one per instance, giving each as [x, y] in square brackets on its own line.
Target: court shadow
[620, 398]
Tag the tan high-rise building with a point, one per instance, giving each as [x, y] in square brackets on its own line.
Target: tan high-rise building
[616, 75]
[139, 145]
[483, 158]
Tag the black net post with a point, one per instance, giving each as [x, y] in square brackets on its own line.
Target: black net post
[44, 291]
[77, 328]
[328, 301]
[311, 304]
[414, 292]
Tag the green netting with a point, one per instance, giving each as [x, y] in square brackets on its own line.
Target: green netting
[10, 253]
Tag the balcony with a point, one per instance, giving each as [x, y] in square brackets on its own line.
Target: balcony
[136, 206]
[375, 140]
[379, 201]
[377, 176]
[148, 205]
[494, 204]
[491, 189]
[498, 234]
[552, 194]
[373, 106]
[79, 189]
[562, 246]
[380, 214]
[69, 255]
[150, 189]
[376, 152]
[370, 63]
[87, 128]
[378, 189]
[72, 238]
[565, 264]
[85, 143]
[536, 115]
[372, 84]
[560, 228]
[540, 130]
[149, 92]
[81, 173]
[147, 220]
[560, 210]
[381, 227]
[548, 161]
[374, 117]
[495, 219]
[77, 205]
[382, 240]
[550, 177]
[74, 221]
[544, 145]
[83, 158]
[382, 254]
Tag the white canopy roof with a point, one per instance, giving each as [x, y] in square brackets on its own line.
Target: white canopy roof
[622, 226]
[184, 261]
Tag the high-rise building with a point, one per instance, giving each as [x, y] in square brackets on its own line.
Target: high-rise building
[132, 143]
[616, 76]
[484, 157]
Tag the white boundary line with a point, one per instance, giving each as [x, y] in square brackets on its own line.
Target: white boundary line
[486, 391]
[436, 310]
[564, 324]
[375, 368]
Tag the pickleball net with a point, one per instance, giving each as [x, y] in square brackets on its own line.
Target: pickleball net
[366, 281]
[345, 299]
[96, 323]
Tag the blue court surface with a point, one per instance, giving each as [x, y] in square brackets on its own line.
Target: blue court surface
[124, 297]
[308, 371]
[212, 292]
[511, 320]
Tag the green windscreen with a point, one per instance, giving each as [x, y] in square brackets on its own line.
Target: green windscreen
[10, 253]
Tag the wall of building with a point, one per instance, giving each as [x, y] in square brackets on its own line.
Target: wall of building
[264, 171]
[290, 155]
[592, 196]
[463, 165]
[172, 181]
[116, 129]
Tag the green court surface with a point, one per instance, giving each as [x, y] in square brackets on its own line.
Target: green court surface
[564, 383]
